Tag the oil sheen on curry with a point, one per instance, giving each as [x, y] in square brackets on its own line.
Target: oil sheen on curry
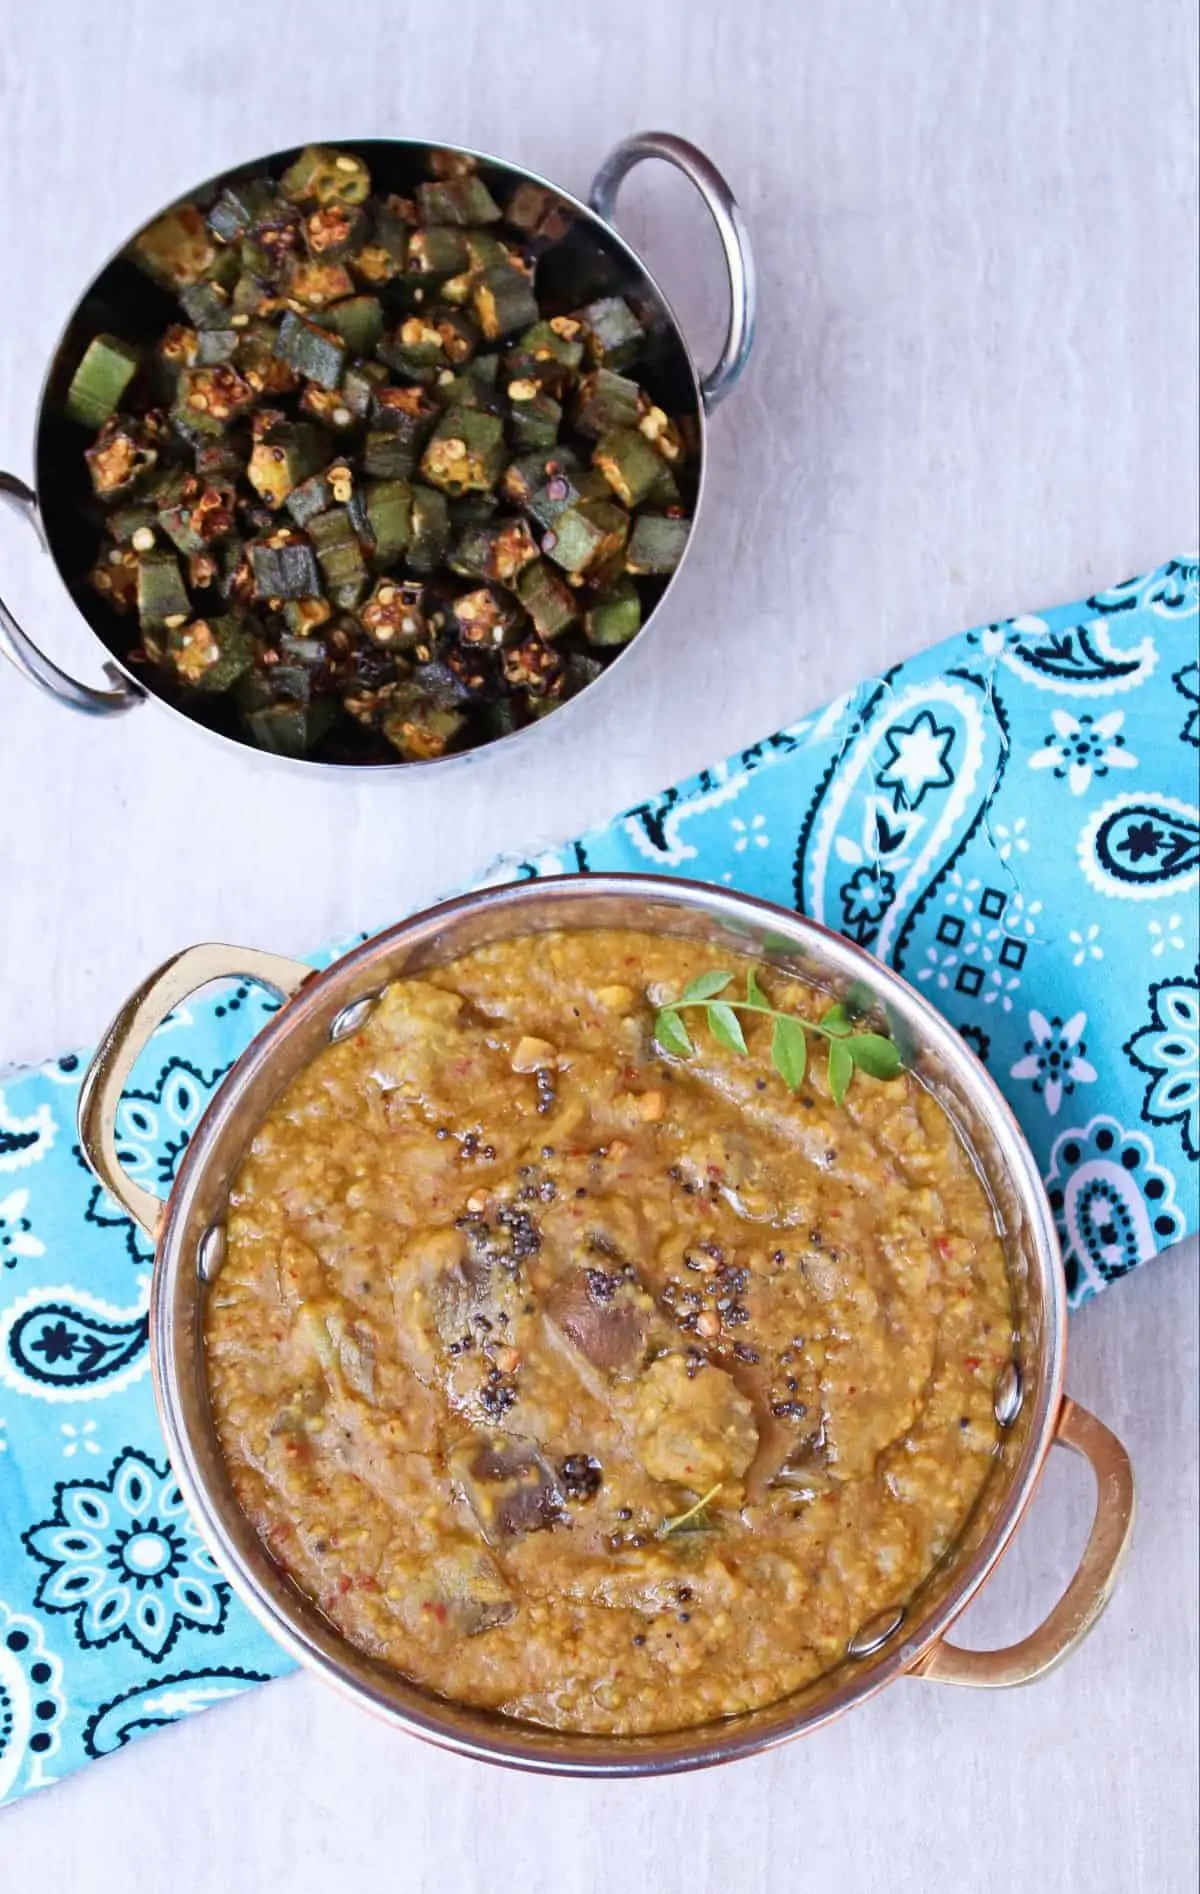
[509, 1293]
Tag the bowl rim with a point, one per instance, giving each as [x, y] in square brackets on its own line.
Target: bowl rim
[461, 758]
[297, 1624]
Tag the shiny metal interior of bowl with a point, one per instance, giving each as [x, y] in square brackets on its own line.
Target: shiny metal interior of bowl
[590, 260]
[693, 911]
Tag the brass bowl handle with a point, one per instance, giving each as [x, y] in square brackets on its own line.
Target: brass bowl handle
[122, 1045]
[1088, 1592]
[722, 207]
[18, 647]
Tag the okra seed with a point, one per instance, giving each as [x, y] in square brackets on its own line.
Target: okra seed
[143, 539]
[345, 163]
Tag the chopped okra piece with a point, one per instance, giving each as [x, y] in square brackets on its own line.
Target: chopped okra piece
[317, 283]
[656, 543]
[407, 414]
[414, 349]
[486, 617]
[308, 498]
[107, 368]
[373, 265]
[321, 175]
[130, 525]
[115, 577]
[524, 476]
[340, 556]
[162, 597]
[658, 428]
[496, 549]
[175, 351]
[605, 401]
[634, 470]
[240, 206]
[458, 334]
[315, 352]
[542, 355]
[538, 212]
[418, 726]
[197, 516]
[393, 221]
[387, 456]
[359, 322]
[576, 674]
[465, 453]
[586, 536]
[550, 603]
[328, 406]
[123, 452]
[221, 462]
[535, 417]
[284, 566]
[206, 305]
[462, 200]
[218, 345]
[438, 251]
[333, 230]
[258, 364]
[615, 617]
[284, 457]
[389, 516]
[177, 249]
[430, 528]
[394, 615]
[612, 333]
[359, 385]
[208, 399]
[302, 617]
[503, 300]
[565, 488]
[210, 654]
[290, 729]
[531, 666]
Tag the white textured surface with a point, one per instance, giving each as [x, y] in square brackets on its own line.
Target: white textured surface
[975, 392]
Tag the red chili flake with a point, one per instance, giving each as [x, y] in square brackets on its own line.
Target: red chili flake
[971, 1361]
[344, 1583]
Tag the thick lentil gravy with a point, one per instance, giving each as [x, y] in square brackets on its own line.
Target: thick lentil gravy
[607, 1390]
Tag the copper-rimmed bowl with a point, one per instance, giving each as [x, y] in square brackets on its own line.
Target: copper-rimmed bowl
[588, 260]
[189, 1232]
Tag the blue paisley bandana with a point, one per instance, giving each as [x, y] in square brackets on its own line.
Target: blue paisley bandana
[1010, 820]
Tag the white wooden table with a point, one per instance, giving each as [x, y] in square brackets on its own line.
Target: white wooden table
[975, 392]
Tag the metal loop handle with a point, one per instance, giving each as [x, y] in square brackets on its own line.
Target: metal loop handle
[722, 208]
[21, 651]
[118, 1052]
[1088, 1592]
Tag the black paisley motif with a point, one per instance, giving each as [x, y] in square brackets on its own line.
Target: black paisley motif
[1143, 843]
[1187, 683]
[1072, 656]
[62, 1346]
[163, 1700]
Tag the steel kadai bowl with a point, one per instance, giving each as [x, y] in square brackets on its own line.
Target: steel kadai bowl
[588, 259]
[189, 1232]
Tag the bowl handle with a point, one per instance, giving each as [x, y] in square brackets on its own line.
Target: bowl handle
[19, 648]
[722, 208]
[116, 1055]
[1088, 1592]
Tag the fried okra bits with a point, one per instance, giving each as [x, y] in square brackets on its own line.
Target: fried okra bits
[371, 487]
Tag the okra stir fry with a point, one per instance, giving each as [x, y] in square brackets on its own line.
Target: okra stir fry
[371, 488]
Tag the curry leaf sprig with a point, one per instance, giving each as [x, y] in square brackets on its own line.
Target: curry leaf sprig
[850, 1051]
